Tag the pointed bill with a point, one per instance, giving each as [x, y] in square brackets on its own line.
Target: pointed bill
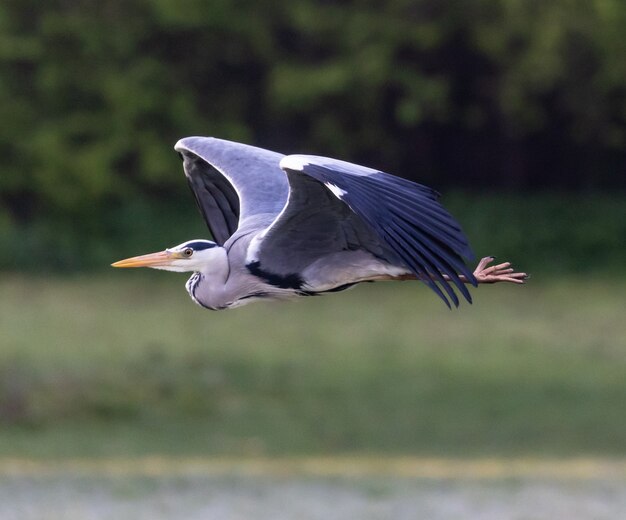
[151, 260]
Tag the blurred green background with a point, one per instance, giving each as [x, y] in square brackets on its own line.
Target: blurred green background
[515, 110]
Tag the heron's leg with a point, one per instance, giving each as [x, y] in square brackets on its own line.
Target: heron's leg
[484, 273]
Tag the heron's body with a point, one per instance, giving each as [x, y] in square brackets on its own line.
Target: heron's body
[291, 226]
[236, 283]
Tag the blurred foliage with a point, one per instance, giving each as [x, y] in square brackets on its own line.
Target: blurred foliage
[471, 93]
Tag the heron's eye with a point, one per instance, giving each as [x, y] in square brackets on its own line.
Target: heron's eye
[188, 252]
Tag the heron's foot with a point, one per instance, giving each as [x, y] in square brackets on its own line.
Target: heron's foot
[485, 273]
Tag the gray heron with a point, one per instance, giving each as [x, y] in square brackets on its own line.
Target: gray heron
[286, 226]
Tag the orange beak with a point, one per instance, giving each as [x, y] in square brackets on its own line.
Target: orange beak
[151, 260]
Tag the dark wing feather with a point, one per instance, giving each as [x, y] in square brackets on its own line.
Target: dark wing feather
[406, 216]
[215, 196]
[233, 183]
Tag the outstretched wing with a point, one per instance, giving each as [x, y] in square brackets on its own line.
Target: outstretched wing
[397, 220]
[232, 182]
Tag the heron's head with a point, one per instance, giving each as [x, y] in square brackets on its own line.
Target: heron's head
[193, 255]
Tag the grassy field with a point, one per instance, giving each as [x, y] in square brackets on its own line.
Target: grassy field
[126, 365]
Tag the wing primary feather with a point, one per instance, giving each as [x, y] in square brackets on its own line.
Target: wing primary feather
[455, 263]
[422, 217]
[211, 212]
[233, 183]
[412, 226]
[215, 195]
[366, 200]
[433, 264]
[440, 262]
[224, 204]
[441, 259]
[199, 203]
[401, 182]
[443, 219]
[424, 276]
[408, 190]
[407, 254]
[424, 211]
[362, 200]
[457, 244]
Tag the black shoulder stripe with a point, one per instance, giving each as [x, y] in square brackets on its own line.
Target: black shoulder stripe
[288, 281]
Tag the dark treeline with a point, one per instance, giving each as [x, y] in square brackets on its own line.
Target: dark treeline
[475, 94]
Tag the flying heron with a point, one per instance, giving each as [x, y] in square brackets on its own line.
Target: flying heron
[286, 226]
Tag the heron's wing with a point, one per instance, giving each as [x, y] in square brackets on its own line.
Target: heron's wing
[232, 182]
[400, 221]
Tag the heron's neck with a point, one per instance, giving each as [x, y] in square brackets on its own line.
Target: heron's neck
[217, 267]
[207, 285]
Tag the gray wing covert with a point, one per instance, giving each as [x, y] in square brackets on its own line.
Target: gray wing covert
[405, 218]
[232, 182]
[314, 224]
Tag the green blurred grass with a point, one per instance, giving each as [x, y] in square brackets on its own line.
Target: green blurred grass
[126, 364]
